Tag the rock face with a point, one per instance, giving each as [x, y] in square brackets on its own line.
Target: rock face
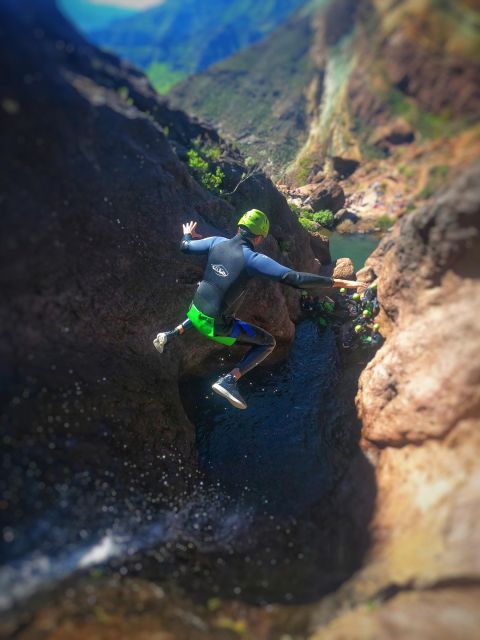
[93, 197]
[419, 402]
[327, 195]
[341, 268]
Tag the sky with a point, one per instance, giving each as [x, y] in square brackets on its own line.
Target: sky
[128, 4]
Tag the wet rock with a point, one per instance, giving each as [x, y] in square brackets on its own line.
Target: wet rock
[326, 195]
[93, 198]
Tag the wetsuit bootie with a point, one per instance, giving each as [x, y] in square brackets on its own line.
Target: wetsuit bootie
[227, 388]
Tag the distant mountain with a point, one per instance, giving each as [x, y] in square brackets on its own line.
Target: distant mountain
[87, 16]
[343, 82]
[177, 39]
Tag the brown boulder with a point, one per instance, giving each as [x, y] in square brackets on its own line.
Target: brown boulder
[326, 195]
[321, 247]
[341, 268]
[344, 214]
[366, 274]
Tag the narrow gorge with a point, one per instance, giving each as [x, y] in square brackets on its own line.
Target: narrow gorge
[344, 503]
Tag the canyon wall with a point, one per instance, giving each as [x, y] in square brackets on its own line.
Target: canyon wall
[94, 190]
[419, 402]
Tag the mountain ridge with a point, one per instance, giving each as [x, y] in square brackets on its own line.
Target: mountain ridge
[188, 37]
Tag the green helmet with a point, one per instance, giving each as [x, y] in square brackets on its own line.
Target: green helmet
[256, 222]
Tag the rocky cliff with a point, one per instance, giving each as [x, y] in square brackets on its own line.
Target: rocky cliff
[419, 402]
[93, 197]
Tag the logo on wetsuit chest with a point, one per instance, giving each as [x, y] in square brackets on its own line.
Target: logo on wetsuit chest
[220, 270]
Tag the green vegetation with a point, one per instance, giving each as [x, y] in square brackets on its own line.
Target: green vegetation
[436, 178]
[124, 95]
[305, 166]
[162, 77]
[207, 149]
[309, 225]
[283, 245]
[406, 170]
[384, 222]
[201, 170]
[267, 87]
[324, 217]
[295, 209]
[192, 34]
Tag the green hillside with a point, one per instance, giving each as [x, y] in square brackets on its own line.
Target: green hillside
[261, 101]
[189, 36]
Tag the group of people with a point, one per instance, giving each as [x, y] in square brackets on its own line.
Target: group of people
[231, 263]
[362, 330]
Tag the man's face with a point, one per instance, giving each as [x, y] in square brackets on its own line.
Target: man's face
[258, 240]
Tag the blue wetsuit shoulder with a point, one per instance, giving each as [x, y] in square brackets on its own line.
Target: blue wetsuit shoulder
[258, 264]
[188, 245]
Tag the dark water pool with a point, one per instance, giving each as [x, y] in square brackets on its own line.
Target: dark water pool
[275, 454]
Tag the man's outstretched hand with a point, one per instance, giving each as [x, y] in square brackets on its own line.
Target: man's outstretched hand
[349, 284]
[189, 228]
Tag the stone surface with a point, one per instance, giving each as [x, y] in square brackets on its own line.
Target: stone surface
[341, 268]
[320, 247]
[366, 274]
[93, 197]
[344, 214]
[419, 402]
[447, 614]
[326, 195]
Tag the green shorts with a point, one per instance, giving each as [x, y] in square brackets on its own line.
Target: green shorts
[206, 325]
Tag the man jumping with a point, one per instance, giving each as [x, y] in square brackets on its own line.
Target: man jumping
[231, 264]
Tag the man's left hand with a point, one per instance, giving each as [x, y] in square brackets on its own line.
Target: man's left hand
[189, 229]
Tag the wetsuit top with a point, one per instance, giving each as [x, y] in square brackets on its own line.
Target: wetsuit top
[231, 264]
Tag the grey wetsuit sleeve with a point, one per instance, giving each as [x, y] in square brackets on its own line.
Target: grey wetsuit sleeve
[187, 245]
[301, 280]
[259, 265]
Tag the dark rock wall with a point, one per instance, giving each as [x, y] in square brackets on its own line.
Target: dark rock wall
[93, 197]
